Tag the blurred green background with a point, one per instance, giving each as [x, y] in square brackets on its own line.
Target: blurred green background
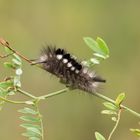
[27, 25]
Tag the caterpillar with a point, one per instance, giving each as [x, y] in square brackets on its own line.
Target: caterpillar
[70, 71]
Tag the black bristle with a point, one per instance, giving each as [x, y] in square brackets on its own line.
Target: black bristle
[74, 63]
[79, 66]
[59, 51]
[67, 56]
[99, 79]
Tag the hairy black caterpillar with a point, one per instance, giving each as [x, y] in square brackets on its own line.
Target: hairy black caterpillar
[70, 71]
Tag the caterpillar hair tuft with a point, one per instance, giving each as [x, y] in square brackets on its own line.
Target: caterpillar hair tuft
[70, 71]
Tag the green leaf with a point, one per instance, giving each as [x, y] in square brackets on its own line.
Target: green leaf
[98, 136]
[29, 102]
[28, 110]
[34, 130]
[7, 50]
[99, 46]
[94, 61]
[6, 84]
[135, 131]
[110, 106]
[30, 134]
[16, 62]
[9, 65]
[3, 92]
[29, 119]
[109, 112]
[120, 99]
[27, 125]
[99, 55]
[103, 46]
[34, 138]
[92, 44]
[17, 57]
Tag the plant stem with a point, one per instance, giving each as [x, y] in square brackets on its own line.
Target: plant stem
[101, 96]
[65, 90]
[131, 111]
[11, 101]
[26, 94]
[16, 52]
[53, 94]
[4, 56]
[113, 102]
[116, 125]
[42, 128]
[41, 121]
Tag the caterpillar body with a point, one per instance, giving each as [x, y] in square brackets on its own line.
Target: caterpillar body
[70, 71]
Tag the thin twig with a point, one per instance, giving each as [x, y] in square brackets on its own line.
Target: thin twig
[116, 125]
[53, 94]
[6, 44]
[4, 56]
[13, 102]
[26, 94]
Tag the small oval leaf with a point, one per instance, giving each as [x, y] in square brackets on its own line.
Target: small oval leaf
[99, 55]
[135, 131]
[34, 138]
[9, 65]
[6, 84]
[3, 92]
[103, 46]
[17, 57]
[95, 61]
[27, 125]
[30, 119]
[110, 106]
[28, 110]
[7, 50]
[98, 136]
[29, 102]
[16, 62]
[30, 134]
[91, 43]
[120, 99]
[35, 130]
[108, 112]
